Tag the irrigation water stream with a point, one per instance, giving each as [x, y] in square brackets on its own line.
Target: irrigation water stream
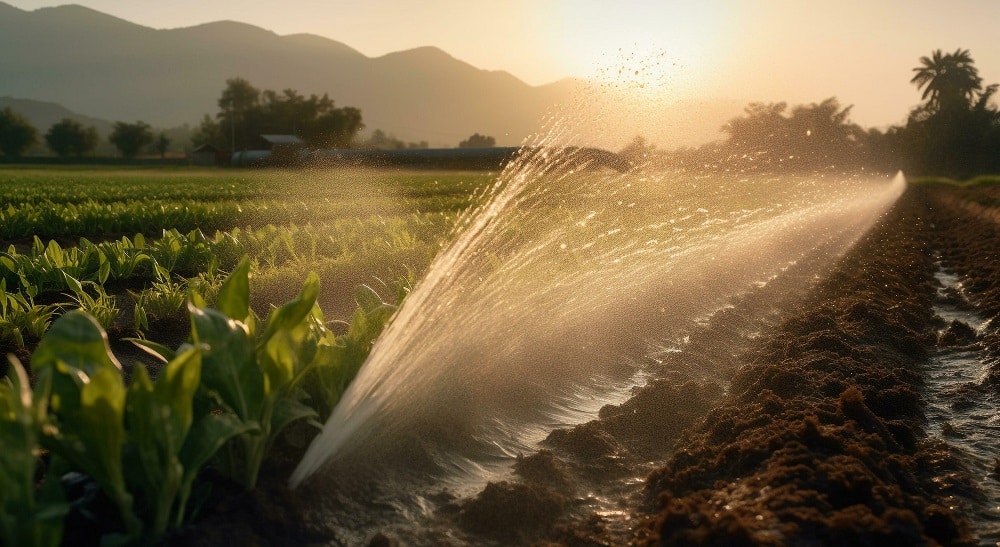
[564, 289]
[960, 408]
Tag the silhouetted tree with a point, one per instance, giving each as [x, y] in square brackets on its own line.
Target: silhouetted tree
[16, 133]
[814, 136]
[245, 113]
[949, 81]
[637, 151]
[70, 138]
[478, 141]
[130, 138]
[210, 132]
[237, 103]
[956, 132]
[161, 144]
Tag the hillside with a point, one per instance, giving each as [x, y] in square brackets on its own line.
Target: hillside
[112, 69]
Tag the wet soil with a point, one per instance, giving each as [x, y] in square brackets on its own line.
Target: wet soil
[821, 435]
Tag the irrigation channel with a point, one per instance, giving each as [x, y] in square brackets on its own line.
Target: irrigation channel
[566, 291]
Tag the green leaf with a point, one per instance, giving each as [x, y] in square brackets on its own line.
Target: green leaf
[82, 379]
[286, 411]
[229, 367]
[161, 352]
[234, 295]
[206, 436]
[287, 345]
[160, 417]
[294, 312]
[366, 298]
[77, 340]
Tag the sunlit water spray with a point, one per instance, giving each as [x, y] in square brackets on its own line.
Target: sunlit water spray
[563, 277]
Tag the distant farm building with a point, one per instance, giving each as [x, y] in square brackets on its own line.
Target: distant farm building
[285, 149]
[208, 154]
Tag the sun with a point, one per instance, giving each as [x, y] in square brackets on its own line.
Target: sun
[647, 48]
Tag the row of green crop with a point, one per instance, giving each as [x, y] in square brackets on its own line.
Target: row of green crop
[35, 186]
[222, 400]
[160, 270]
[92, 218]
[42, 267]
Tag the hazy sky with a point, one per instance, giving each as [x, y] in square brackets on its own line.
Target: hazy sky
[861, 51]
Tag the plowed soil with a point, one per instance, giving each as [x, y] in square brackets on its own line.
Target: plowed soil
[820, 437]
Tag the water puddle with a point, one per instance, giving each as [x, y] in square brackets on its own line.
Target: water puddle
[961, 409]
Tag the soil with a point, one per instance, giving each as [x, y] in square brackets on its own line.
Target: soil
[819, 436]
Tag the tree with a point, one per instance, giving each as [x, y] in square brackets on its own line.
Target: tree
[161, 144]
[210, 132]
[956, 132]
[70, 138]
[478, 141]
[236, 104]
[810, 137]
[16, 133]
[950, 81]
[245, 113]
[130, 138]
[637, 152]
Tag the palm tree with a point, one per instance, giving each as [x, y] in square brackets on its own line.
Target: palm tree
[949, 80]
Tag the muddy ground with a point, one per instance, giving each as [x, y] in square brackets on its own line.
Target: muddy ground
[818, 437]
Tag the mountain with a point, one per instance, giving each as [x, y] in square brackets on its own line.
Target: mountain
[110, 68]
[43, 115]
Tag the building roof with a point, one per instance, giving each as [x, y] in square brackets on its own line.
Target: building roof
[208, 147]
[282, 139]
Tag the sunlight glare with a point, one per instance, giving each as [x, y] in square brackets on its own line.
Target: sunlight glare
[651, 50]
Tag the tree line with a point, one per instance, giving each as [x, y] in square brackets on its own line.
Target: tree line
[245, 113]
[70, 138]
[954, 132]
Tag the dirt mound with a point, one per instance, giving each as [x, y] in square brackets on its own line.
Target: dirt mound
[819, 440]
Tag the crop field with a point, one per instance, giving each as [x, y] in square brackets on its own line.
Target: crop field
[171, 257]
[142, 236]
[176, 337]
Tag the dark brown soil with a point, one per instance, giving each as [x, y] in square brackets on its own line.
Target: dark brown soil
[820, 437]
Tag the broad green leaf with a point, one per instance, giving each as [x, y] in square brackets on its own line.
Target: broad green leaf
[73, 284]
[100, 424]
[206, 436]
[286, 344]
[286, 411]
[234, 295]
[296, 310]
[159, 417]
[104, 270]
[77, 340]
[229, 366]
[161, 352]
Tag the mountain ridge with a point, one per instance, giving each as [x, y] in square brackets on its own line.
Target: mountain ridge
[110, 68]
